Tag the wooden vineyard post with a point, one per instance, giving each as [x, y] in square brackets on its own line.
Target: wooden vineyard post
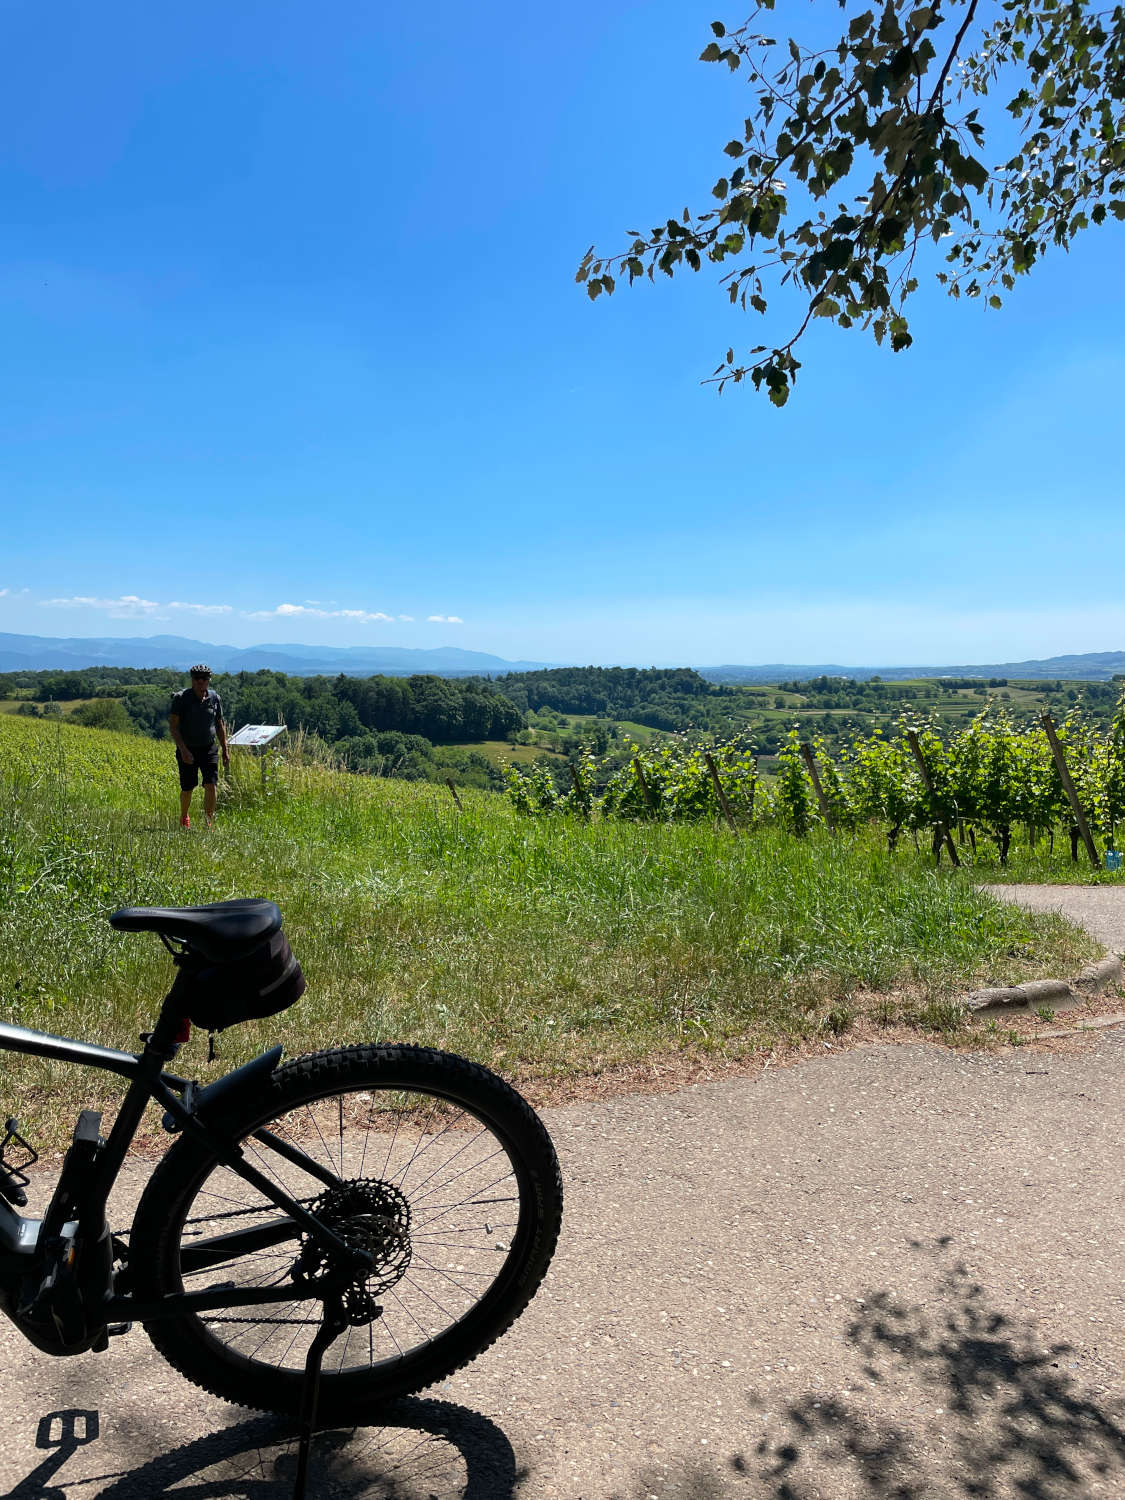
[453, 789]
[722, 796]
[644, 784]
[941, 831]
[578, 794]
[814, 777]
[1069, 788]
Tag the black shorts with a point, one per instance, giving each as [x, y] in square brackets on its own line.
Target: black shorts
[205, 765]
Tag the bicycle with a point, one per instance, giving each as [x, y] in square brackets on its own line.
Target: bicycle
[395, 1205]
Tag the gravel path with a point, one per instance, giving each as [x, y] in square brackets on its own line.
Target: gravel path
[1098, 908]
[895, 1273]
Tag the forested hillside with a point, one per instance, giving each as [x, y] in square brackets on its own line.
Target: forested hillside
[445, 711]
[660, 697]
[404, 726]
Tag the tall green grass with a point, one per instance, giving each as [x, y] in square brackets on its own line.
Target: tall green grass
[539, 946]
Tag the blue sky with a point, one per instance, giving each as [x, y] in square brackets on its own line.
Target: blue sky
[293, 351]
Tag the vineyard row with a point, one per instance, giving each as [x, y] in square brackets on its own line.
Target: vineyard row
[986, 779]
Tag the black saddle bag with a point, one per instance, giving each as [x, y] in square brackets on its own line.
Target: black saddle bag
[263, 983]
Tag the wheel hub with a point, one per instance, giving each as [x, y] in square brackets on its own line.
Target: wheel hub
[372, 1216]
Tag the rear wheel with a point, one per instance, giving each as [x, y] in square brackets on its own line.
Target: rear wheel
[431, 1164]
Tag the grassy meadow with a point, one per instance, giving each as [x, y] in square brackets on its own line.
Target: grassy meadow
[543, 947]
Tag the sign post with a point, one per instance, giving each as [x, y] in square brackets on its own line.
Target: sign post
[256, 738]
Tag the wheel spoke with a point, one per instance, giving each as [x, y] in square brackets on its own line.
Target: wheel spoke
[451, 1242]
[420, 1161]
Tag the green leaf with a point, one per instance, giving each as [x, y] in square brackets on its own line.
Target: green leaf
[838, 254]
[995, 301]
[733, 148]
[860, 24]
[718, 28]
[594, 289]
[711, 53]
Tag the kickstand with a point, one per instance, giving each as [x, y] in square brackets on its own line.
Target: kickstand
[332, 1325]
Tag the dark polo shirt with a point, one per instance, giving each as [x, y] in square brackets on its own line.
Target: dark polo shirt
[198, 718]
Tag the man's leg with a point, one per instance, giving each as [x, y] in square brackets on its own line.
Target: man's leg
[209, 771]
[187, 786]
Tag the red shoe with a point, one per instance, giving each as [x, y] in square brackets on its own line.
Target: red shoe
[185, 822]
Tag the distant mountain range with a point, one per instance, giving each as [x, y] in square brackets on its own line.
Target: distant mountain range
[1092, 666]
[30, 653]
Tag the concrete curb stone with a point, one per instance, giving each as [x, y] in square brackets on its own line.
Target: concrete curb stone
[1059, 994]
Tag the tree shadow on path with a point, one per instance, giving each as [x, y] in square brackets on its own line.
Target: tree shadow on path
[990, 1412]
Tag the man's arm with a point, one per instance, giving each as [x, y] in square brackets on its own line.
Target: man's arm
[221, 730]
[174, 730]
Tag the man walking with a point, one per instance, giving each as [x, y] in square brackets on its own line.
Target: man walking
[196, 722]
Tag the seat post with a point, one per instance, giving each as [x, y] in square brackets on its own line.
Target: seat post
[172, 1027]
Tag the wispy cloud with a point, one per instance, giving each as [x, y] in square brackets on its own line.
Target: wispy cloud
[133, 607]
[127, 607]
[309, 612]
[3, 593]
[445, 619]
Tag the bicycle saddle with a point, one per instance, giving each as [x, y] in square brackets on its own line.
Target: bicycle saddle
[223, 931]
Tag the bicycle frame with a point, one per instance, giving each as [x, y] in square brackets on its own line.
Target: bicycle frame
[26, 1245]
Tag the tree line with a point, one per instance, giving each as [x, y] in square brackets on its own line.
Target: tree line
[441, 710]
[666, 698]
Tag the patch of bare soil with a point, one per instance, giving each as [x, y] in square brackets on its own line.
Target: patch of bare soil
[1055, 1031]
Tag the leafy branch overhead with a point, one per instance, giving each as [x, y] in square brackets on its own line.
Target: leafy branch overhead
[886, 124]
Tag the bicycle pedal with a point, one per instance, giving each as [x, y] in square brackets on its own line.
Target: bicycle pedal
[115, 1330]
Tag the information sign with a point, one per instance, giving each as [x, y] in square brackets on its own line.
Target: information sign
[256, 736]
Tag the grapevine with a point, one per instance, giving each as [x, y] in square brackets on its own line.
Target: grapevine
[990, 779]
